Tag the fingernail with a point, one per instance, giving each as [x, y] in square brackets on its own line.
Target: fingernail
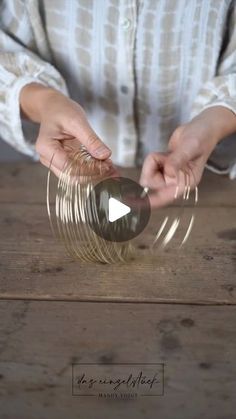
[102, 151]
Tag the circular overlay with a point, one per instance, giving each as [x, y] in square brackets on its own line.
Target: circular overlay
[118, 209]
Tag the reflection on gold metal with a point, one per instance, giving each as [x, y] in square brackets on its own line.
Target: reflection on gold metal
[69, 218]
[161, 229]
[167, 232]
[80, 173]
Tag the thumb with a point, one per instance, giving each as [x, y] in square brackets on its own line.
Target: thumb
[82, 130]
[174, 169]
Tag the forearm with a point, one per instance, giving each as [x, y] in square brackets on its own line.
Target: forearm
[32, 100]
[222, 121]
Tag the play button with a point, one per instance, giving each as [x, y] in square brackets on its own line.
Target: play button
[118, 209]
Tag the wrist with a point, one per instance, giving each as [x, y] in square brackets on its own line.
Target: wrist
[33, 98]
[220, 120]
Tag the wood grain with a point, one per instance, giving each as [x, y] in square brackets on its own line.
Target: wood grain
[40, 340]
[33, 265]
[175, 307]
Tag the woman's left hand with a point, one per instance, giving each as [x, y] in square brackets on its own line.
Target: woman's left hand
[189, 148]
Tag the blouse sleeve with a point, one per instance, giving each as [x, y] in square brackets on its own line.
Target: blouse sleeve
[221, 90]
[23, 60]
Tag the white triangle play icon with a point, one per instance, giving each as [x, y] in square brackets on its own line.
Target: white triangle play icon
[117, 210]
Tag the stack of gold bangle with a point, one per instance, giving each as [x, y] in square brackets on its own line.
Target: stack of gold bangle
[71, 212]
[70, 217]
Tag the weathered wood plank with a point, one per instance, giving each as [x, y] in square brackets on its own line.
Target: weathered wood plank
[40, 340]
[26, 183]
[33, 265]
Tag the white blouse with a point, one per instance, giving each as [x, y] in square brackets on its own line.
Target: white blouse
[138, 67]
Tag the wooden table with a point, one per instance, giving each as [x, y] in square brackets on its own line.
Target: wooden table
[177, 308]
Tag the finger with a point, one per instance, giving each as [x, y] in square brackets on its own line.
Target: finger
[165, 196]
[73, 144]
[152, 171]
[51, 148]
[155, 182]
[172, 192]
[82, 130]
[113, 172]
[106, 169]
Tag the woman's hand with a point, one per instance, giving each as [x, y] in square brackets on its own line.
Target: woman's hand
[189, 148]
[62, 121]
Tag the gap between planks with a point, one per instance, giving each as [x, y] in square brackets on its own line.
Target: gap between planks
[118, 301]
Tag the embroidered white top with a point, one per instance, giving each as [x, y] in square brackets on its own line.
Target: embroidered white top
[138, 67]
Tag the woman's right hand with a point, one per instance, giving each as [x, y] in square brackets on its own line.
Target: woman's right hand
[62, 121]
